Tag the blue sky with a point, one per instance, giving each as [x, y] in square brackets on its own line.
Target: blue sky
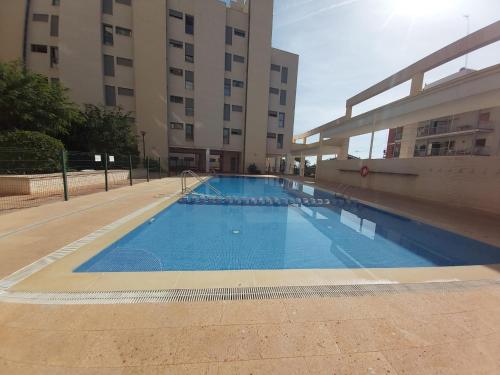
[346, 46]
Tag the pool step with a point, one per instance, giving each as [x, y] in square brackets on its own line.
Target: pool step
[252, 201]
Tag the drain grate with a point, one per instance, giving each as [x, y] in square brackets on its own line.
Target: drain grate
[235, 294]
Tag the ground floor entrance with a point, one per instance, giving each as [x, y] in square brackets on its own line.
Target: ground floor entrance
[204, 160]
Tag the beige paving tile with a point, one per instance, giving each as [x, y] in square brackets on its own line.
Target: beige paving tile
[16, 368]
[218, 344]
[425, 303]
[189, 369]
[347, 364]
[90, 348]
[369, 335]
[283, 366]
[453, 358]
[250, 312]
[48, 317]
[120, 348]
[476, 323]
[151, 315]
[293, 340]
[430, 329]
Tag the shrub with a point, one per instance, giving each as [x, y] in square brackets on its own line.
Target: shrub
[29, 152]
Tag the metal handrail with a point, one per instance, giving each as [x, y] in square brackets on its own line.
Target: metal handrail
[184, 187]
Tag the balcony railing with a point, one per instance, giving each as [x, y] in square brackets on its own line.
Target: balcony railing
[444, 151]
[425, 131]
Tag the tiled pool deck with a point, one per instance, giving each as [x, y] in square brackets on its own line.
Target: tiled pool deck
[453, 332]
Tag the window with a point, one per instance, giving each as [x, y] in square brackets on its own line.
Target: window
[284, 74]
[107, 6]
[281, 119]
[54, 25]
[125, 92]
[274, 91]
[39, 48]
[238, 59]
[124, 61]
[56, 3]
[176, 99]
[176, 71]
[175, 43]
[109, 66]
[123, 31]
[176, 125]
[480, 142]
[238, 83]
[229, 35]
[283, 97]
[276, 68]
[189, 24]
[227, 112]
[227, 87]
[279, 141]
[236, 131]
[273, 114]
[54, 56]
[237, 108]
[225, 136]
[189, 108]
[189, 81]
[239, 32]
[227, 62]
[189, 132]
[107, 34]
[109, 96]
[271, 135]
[40, 17]
[124, 2]
[189, 53]
[175, 14]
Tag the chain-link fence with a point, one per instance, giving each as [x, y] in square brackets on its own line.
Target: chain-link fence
[29, 177]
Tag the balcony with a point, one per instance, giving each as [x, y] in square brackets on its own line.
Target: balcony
[432, 131]
[444, 151]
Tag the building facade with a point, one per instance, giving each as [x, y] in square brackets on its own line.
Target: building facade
[200, 77]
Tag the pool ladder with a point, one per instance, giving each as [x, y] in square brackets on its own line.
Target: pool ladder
[185, 189]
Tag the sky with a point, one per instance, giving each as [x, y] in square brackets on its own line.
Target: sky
[345, 46]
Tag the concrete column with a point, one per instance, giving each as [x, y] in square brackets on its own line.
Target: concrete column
[344, 150]
[417, 82]
[348, 111]
[371, 146]
[302, 165]
[408, 141]
[207, 160]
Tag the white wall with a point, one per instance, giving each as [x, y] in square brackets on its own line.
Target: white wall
[466, 181]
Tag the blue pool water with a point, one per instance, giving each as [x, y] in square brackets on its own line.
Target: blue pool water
[345, 234]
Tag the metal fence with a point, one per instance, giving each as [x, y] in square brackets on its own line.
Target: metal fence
[31, 177]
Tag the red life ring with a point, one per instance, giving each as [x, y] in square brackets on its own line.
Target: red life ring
[364, 171]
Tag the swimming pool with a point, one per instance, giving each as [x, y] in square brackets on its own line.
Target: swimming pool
[339, 235]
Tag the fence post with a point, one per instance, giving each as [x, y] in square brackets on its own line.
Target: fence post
[159, 168]
[106, 171]
[147, 168]
[64, 174]
[130, 168]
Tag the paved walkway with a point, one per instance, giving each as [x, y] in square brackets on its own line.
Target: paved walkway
[408, 333]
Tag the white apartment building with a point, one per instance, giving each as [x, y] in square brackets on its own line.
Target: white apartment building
[200, 77]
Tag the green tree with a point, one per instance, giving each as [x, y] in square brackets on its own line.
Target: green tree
[103, 130]
[29, 102]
